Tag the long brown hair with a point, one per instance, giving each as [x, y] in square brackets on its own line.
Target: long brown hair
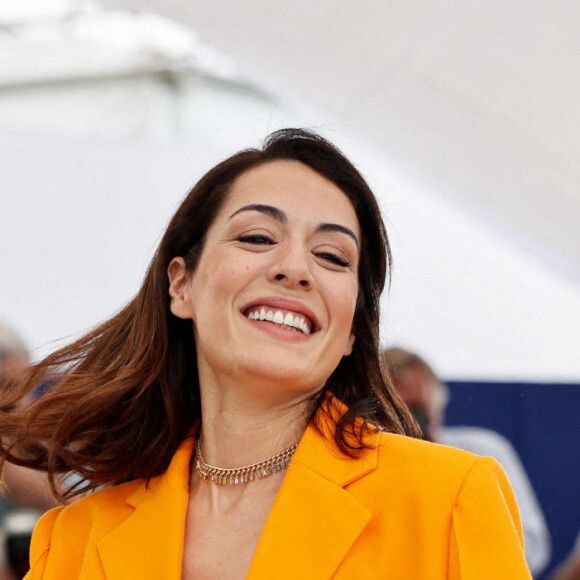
[120, 400]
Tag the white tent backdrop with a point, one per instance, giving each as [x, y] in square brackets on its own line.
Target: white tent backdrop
[93, 167]
[482, 95]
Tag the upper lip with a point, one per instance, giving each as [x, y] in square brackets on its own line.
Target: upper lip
[284, 304]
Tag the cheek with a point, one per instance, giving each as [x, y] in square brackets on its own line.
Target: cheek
[214, 271]
[344, 299]
[218, 279]
[351, 296]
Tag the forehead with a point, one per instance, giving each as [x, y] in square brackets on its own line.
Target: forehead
[294, 188]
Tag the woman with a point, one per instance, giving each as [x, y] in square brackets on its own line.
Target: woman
[253, 344]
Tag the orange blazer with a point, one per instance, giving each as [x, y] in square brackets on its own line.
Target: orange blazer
[406, 509]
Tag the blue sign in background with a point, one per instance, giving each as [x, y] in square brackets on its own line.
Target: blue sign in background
[542, 422]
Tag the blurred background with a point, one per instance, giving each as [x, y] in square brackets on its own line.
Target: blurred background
[463, 116]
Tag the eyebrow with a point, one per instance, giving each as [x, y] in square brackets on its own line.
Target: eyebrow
[281, 217]
[269, 210]
[338, 228]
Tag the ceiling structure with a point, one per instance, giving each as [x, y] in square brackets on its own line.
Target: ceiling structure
[481, 98]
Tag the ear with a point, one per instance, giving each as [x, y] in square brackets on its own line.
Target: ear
[179, 289]
[349, 343]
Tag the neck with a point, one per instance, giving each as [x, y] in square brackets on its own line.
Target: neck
[236, 432]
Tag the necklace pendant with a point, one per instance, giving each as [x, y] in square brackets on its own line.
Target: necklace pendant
[236, 476]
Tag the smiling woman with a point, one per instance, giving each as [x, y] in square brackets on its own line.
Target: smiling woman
[296, 259]
[236, 412]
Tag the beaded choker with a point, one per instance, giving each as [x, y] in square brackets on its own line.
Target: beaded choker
[242, 474]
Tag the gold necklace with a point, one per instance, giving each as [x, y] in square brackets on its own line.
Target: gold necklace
[243, 474]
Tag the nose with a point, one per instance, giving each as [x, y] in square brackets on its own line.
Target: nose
[291, 268]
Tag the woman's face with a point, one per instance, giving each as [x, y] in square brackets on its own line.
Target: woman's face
[273, 297]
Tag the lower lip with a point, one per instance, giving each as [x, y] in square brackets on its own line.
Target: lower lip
[279, 332]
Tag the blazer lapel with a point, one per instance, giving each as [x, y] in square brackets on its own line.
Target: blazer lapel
[314, 520]
[149, 543]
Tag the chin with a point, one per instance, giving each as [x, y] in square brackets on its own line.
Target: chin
[284, 380]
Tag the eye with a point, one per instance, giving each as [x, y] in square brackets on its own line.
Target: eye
[333, 259]
[256, 239]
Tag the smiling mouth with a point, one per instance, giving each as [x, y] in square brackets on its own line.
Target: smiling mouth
[282, 318]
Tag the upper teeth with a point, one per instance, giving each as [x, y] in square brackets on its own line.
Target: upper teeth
[296, 321]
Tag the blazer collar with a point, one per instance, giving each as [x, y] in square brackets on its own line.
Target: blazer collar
[157, 526]
[314, 520]
[312, 524]
[318, 451]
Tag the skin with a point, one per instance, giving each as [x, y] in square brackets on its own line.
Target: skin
[28, 488]
[286, 239]
[570, 570]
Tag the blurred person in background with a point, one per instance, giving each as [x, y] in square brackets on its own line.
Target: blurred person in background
[22, 488]
[13, 354]
[427, 397]
[570, 568]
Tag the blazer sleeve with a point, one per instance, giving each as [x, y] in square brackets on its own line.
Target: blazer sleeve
[486, 532]
[40, 544]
